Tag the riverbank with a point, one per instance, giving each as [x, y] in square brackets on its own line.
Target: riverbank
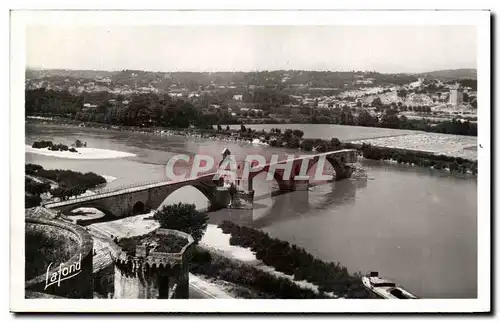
[195, 133]
[446, 144]
[215, 240]
[82, 154]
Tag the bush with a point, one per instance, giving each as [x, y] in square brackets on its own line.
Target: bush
[167, 243]
[307, 145]
[78, 143]
[66, 192]
[298, 133]
[31, 200]
[35, 188]
[183, 217]
[31, 168]
[42, 144]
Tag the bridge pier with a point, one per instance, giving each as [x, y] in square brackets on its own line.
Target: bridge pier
[222, 199]
[243, 200]
[302, 185]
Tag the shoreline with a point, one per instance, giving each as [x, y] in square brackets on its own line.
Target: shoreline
[82, 154]
[195, 133]
[215, 240]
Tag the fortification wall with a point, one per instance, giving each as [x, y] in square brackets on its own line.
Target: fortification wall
[71, 278]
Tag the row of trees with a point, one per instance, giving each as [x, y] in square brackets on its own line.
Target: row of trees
[147, 110]
[66, 178]
[293, 139]
[136, 110]
[423, 159]
[391, 119]
[53, 146]
[293, 260]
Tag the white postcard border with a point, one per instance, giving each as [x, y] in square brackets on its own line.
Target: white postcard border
[481, 19]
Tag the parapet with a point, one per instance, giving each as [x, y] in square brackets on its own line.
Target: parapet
[67, 248]
[163, 248]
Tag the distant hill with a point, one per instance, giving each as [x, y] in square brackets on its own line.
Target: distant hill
[91, 74]
[304, 79]
[451, 74]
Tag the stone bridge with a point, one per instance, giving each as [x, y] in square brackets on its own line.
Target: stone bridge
[135, 200]
[340, 161]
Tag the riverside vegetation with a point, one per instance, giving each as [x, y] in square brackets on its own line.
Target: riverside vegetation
[58, 147]
[186, 218]
[69, 183]
[293, 139]
[292, 260]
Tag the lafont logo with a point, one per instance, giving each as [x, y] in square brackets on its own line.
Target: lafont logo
[65, 271]
[182, 166]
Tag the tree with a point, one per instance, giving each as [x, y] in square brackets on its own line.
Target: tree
[307, 145]
[35, 188]
[78, 143]
[183, 217]
[287, 135]
[366, 119]
[31, 168]
[390, 119]
[298, 133]
[31, 200]
[335, 144]
[293, 142]
[377, 102]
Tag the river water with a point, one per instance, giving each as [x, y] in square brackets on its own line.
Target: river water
[415, 226]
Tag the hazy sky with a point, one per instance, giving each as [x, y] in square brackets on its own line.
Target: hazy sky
[246, 48]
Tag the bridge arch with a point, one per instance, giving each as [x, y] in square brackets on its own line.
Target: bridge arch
[276, 176]
[337, 163]
[206, 189]
[138, 208]
[95, 205]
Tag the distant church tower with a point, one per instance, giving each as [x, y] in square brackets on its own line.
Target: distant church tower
[456, 95]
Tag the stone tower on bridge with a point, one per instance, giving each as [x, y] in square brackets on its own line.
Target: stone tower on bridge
[155, 266]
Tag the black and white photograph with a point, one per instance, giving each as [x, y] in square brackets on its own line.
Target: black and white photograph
[208, 158]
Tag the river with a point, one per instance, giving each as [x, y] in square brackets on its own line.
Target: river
[415, 226]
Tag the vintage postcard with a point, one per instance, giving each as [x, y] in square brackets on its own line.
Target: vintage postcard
[205, 158]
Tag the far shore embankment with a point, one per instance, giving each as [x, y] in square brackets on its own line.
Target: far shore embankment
[196, 133]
